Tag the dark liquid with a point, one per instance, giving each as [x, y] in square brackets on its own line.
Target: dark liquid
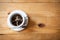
[16, 19]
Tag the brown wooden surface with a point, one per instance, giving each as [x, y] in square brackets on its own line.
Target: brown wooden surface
[46, 13]
[29, 0]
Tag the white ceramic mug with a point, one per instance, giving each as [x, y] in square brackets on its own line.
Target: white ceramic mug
[22, 25]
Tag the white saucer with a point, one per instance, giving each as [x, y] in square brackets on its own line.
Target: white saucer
[19, 27]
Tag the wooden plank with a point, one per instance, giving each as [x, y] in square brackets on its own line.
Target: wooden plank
[46, 13]
[29, 1]
[31, 36]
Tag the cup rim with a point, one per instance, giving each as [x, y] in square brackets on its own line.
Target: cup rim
[14, 12]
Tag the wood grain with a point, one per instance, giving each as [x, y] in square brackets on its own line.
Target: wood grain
[29, 1]
[46, 13]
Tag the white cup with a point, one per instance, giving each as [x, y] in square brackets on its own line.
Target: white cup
[22, 25]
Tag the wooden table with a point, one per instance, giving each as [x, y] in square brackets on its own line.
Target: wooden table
[44, 19]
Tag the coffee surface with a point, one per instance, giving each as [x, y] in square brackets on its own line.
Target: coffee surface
[16, 19]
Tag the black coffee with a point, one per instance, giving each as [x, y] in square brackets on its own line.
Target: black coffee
[16, 19]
